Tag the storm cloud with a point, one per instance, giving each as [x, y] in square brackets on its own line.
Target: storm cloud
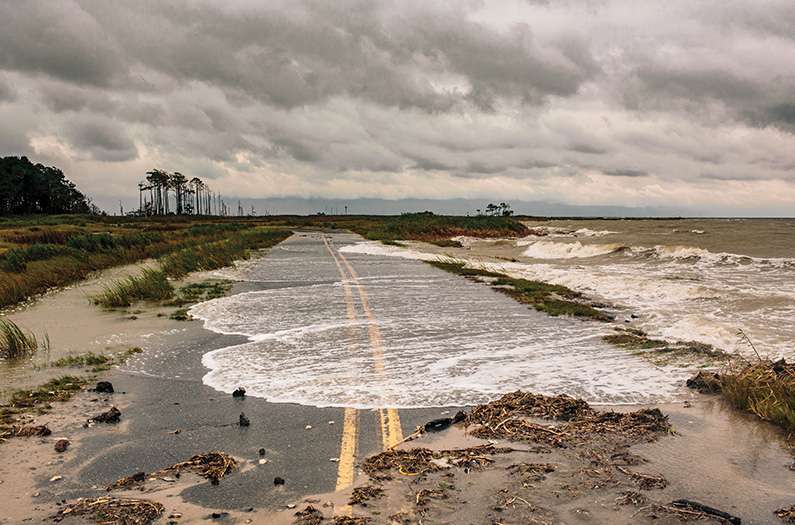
[593, 102]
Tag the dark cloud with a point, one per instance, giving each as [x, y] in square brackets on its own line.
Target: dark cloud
[7, 91]
[625, 173]
[101, 139]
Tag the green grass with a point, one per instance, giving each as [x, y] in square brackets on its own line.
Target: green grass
[16, 343]
[430, 227]
[661, 352]
[552, 299]
[87, 359]
[180, 315]
[215, 255]
[38, 400]
[150, 285]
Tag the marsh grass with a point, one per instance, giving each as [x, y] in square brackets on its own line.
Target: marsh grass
[551, 299]
[765, 388]
[150, 285]
[211, 256]
[16, 343]
[430, 227]
[87, 359]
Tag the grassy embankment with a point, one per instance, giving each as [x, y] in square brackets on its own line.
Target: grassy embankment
[414, 226]
[153, 284]
[551, 299]
[40, 253]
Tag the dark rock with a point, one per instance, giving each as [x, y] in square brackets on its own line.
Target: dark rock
[261, 452]
[61, 445]
[105, 387]
[138, 477]
[219, 515]
[111, 416]
[239, 392]
[244, 421]
[278, 481]
[705, 382]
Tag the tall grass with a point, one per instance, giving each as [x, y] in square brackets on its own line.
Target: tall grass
[150, 285]
[764, 388]
[16, 343]
[218, 254]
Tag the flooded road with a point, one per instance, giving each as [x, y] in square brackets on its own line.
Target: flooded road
[330, 328]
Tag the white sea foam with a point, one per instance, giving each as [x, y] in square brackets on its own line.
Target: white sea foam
[442, 344]
[568, 250]
[679, 292]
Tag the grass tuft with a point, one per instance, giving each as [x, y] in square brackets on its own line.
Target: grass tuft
[150, 285]
[16, 343]
[765, 388]
[87, 359]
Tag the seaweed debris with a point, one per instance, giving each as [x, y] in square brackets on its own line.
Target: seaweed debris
[114, 511]
[419, 461]
[509, 418]
[787, 514]
[361, 495]
[212, 465]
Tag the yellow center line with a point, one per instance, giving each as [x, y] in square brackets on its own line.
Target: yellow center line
[393, 432]
[348, 445]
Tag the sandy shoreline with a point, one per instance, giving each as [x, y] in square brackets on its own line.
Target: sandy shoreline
[715, 444]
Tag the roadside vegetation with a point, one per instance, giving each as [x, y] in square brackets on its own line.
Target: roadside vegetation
[763, 387]
[551, 299]
[39, 253]
[662, 352]
[150, 285]
[16, 343]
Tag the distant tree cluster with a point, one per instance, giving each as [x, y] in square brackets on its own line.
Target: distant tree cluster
[502, 209]
[27, 188]
[190, 196]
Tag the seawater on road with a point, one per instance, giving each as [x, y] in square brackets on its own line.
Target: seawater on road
[443, 340]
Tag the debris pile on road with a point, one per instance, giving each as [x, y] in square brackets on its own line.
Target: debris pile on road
[509, 418]
[418, 461]
[27, 431]
[108, 510]
[361, 495]
[212, 465]
[787, 515]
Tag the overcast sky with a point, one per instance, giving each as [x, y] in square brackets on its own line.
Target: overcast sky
[682, 103]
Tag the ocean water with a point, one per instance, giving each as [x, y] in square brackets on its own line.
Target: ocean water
[401, 333]
[701, 280]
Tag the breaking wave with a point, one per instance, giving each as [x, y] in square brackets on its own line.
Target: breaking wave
[569, 250]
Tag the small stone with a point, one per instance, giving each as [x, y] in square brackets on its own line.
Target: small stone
[334, 460]
[308, 427]
[330, 422]
[219, 515]
[104, 387]
[291, 506]
[278, 481]
[263, 461]
[111, 416]
[61, 445]
[55, 478]
[244, 421]
[169, 480]
[175, 515]
[239, 392]
[138, 476]
[261, 452]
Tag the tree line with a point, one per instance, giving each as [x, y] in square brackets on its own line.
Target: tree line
[27, 188]
[190, 196]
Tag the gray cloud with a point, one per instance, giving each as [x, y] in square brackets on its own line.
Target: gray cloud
[582, 101]
[101, 139]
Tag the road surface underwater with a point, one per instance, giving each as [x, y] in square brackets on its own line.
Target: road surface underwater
[329, 328]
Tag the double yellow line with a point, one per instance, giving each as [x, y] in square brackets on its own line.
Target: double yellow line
[391, 430]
